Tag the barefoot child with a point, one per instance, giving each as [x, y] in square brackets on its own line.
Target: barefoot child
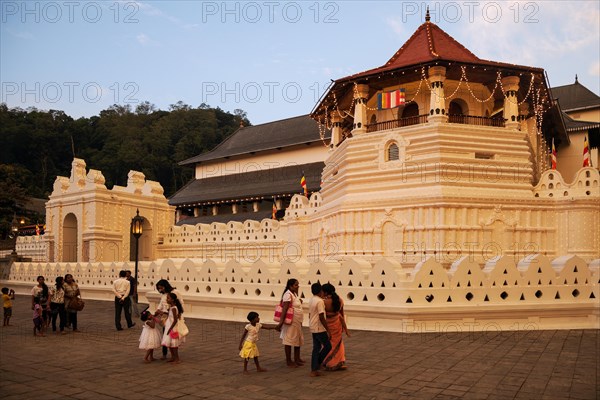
[248, 348]
[150, 338]
[7, 297]
[171, 338]
[38, 320]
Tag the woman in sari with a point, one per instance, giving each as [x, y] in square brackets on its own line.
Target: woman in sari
[336, 322]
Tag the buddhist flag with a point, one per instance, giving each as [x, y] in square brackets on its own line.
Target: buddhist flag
[586, 153]
[553, 155]
[303, 184]
[274, 212]
[392, 99]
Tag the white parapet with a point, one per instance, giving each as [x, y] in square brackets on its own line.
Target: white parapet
[533, 293]
[34, 247]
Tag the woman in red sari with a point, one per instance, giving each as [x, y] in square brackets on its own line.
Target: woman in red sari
[336, 322]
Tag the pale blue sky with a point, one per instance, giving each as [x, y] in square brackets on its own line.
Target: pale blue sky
[272, 59]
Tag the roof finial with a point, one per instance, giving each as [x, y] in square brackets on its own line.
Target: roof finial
[576, 79]
[427, 17]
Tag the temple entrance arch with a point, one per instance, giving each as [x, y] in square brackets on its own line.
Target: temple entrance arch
[410, 110]
[69, 238]
[458, 107]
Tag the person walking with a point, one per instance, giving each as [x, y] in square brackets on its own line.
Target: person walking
[8, 295]
[41, 292]
[57, 305]
[171, 337]
[164, 288]
[151, 337]
[121, 289]
[318, 328]
[133, 295]
[336, 322]
[291, 335]
[72, 294]
[248, 347]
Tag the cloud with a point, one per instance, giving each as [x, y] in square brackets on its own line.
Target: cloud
[397, 27]
[594, 69]
[156, 12]
[20, 35]
[145, 40]
[527, 32]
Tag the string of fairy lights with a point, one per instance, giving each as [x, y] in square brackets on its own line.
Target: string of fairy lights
[538, 99]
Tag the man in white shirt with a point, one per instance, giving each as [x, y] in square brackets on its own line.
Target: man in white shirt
[121, 288]
[318, 328]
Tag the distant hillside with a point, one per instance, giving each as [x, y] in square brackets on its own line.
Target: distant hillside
[39, 145]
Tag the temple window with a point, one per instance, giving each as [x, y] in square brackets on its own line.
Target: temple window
[393, 153]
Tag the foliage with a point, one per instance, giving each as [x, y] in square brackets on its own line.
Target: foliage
[40, 145]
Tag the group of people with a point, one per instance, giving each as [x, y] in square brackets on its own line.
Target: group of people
[53, 303]
[169, 316]
[326, 320]
[327, 324]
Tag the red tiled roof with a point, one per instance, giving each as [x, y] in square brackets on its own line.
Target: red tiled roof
[430, 43]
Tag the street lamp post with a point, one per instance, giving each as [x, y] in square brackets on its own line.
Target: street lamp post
[136, 231]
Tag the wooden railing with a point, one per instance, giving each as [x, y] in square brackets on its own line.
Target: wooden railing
[421, 119]
[475, 120]
[397, 123]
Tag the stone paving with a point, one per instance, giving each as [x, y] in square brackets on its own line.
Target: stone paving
[101, 363]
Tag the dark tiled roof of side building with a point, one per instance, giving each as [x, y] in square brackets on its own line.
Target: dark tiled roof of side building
[263, 183]
[270, 136]
[225, 218]
[576, 125]
[575, 97]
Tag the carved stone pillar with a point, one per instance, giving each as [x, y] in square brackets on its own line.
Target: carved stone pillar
[336, 129]
[360, 109]
[437, 102]
[511, 108]
[523, 113]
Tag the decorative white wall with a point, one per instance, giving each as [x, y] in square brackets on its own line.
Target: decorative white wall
[502, 294]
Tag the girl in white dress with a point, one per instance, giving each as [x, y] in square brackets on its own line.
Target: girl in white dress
[150, 338]
[171, 338]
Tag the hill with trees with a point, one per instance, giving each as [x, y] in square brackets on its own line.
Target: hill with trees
[39, 145]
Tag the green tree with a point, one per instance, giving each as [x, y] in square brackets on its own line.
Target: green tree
[12, 194]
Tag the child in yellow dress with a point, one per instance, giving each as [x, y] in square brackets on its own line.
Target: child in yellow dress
[248, 348]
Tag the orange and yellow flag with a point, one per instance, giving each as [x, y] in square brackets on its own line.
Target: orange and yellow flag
[586, 153]
[303, 184]
[553, 155]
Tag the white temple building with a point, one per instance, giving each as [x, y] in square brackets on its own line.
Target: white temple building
[436, 204]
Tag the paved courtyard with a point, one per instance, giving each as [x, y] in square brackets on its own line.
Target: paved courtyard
[101, 363]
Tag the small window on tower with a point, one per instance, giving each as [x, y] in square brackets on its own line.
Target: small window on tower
[392, 152]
